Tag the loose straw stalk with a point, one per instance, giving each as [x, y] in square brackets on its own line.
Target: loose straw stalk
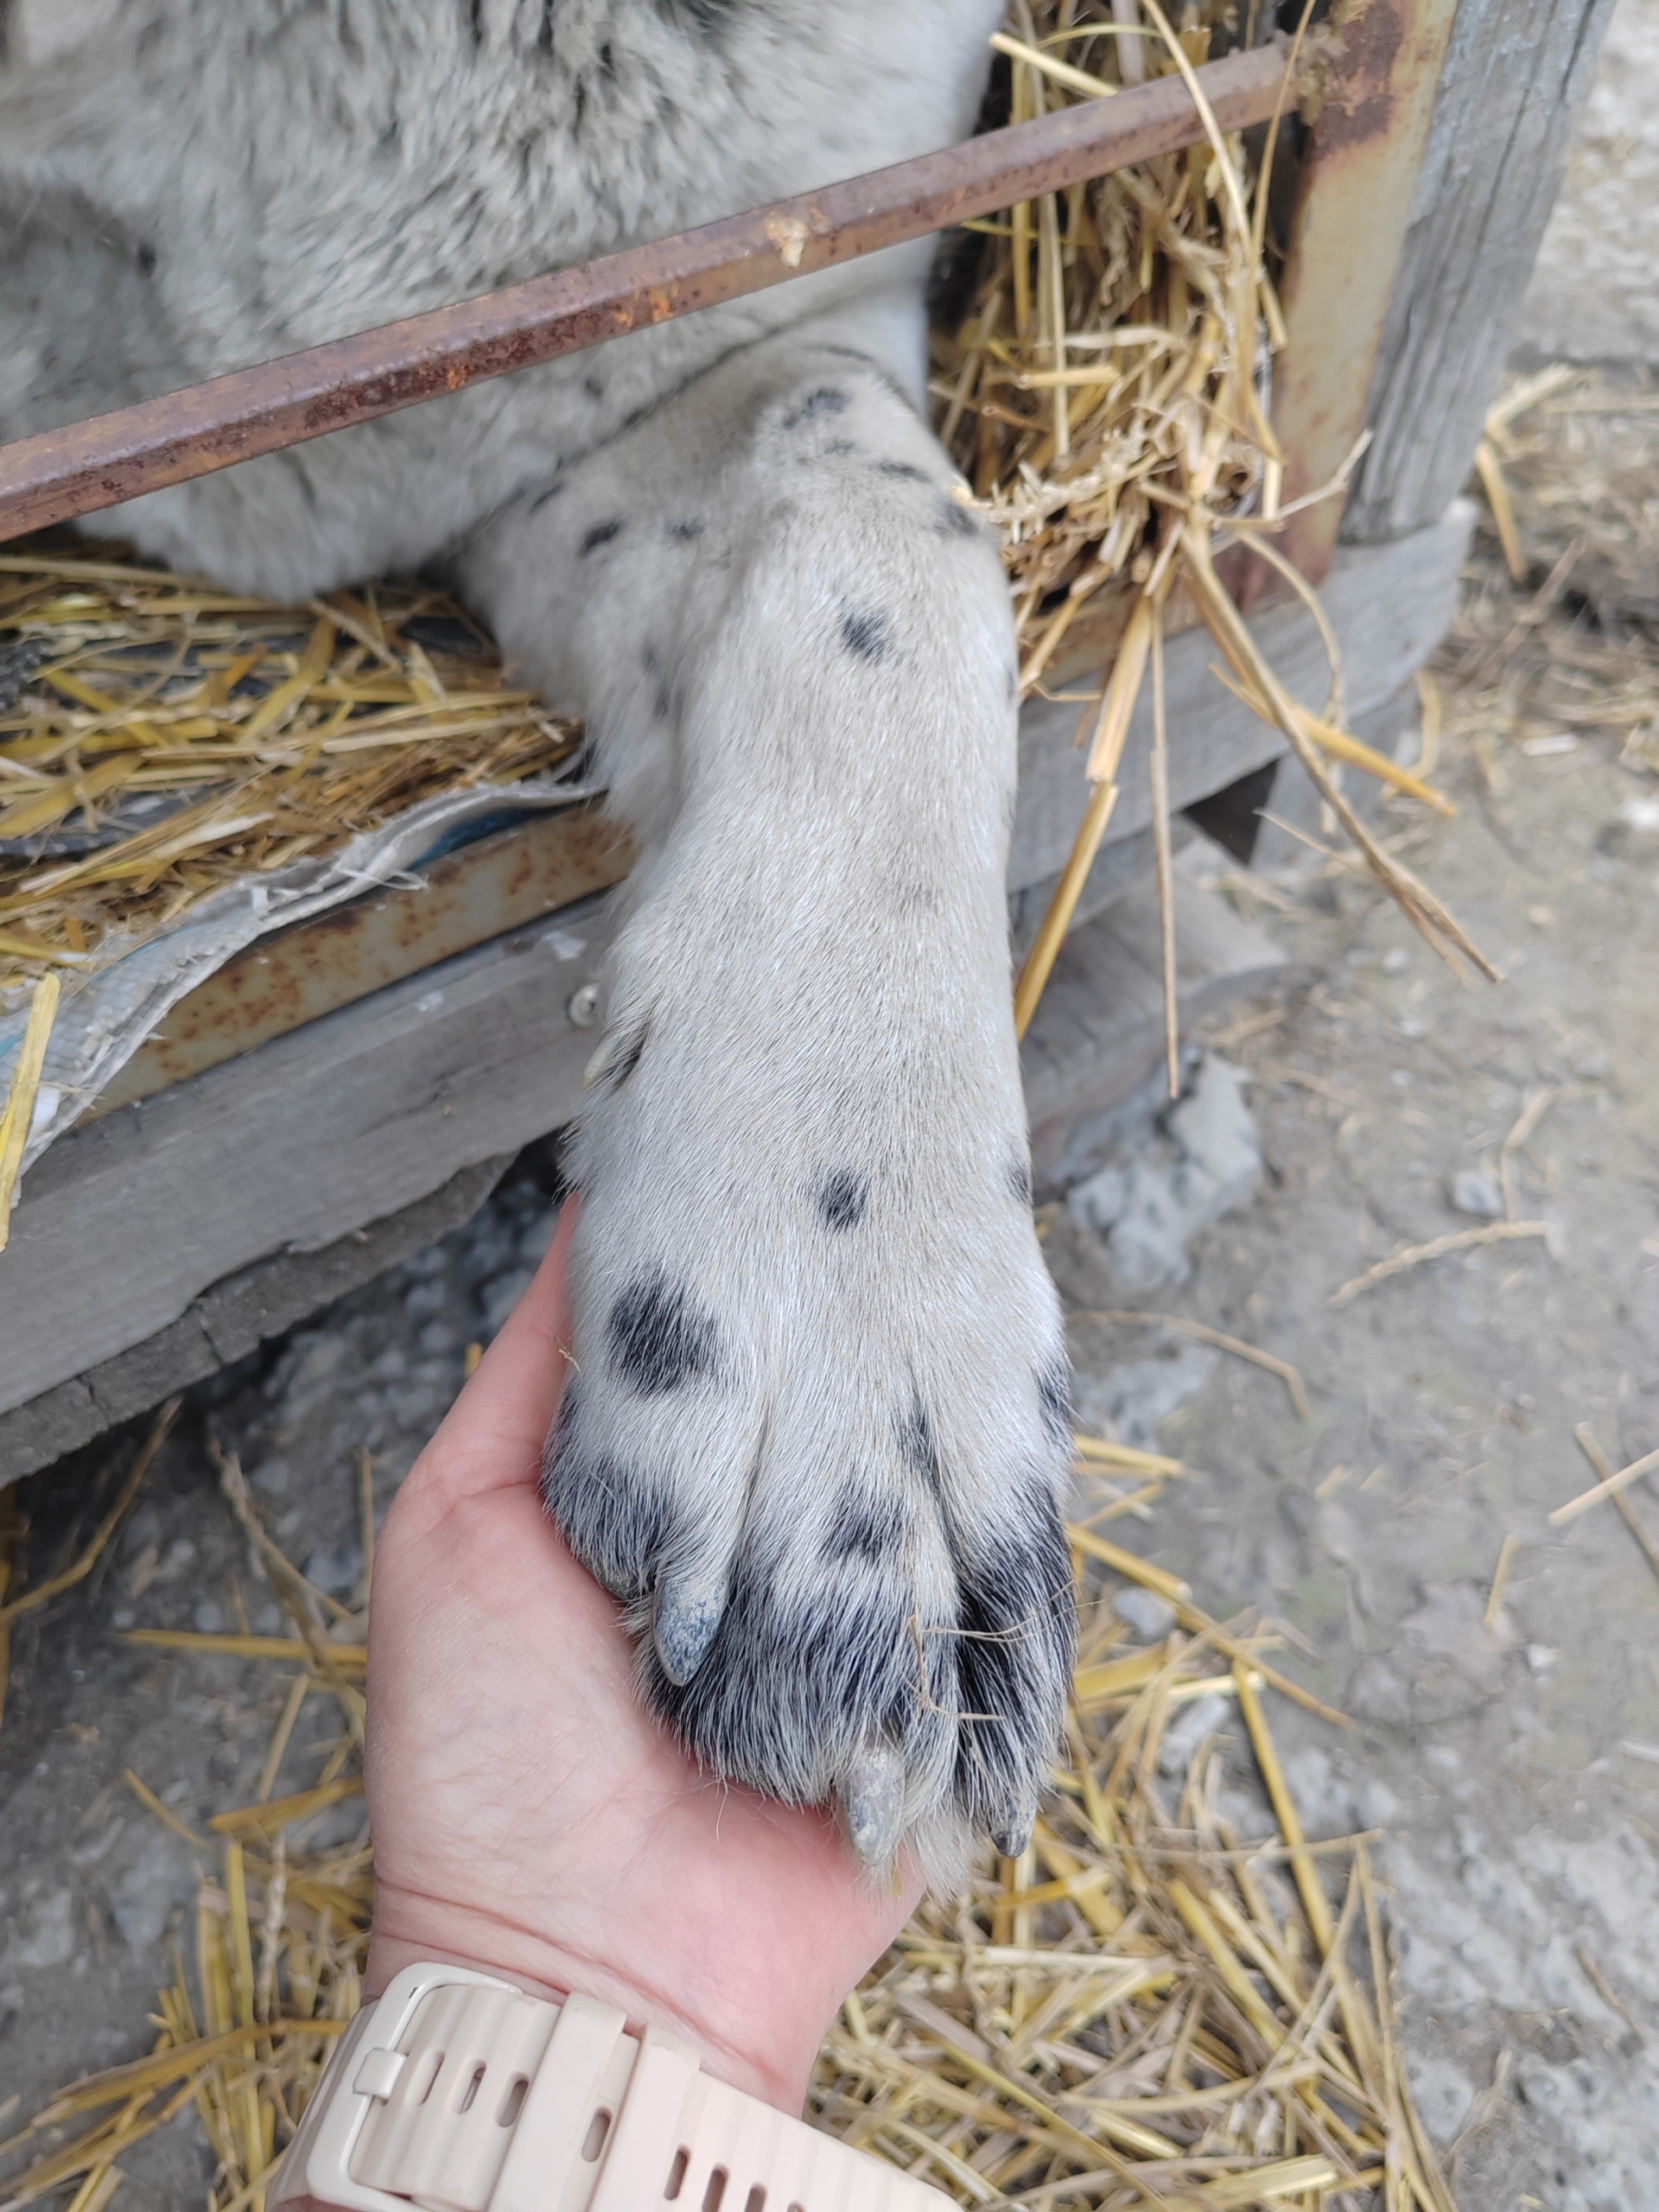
[31, 1600]
[1165, 863]
[1111, 731]
[19, 1116]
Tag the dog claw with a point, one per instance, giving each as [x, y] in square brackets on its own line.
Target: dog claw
[686, 1619]
[606, 1054]
[1011, 1842]
[872, 1798]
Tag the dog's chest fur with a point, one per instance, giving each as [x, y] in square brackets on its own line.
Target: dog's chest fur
[326, 165]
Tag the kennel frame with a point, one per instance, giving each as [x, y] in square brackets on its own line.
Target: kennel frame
[1427, 141]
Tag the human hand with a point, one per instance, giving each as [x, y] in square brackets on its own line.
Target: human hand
[529, 1819]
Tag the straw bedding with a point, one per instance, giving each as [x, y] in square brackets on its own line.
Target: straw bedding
[1143, 2009]
[159, 737]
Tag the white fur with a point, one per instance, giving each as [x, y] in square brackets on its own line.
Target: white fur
[814, 1331]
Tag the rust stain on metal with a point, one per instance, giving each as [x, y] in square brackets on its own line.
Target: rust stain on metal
[1368, 99]
[521, 876]
[74, 471]
[1350, 90]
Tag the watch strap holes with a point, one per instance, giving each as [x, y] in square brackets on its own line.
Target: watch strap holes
[593, 2141]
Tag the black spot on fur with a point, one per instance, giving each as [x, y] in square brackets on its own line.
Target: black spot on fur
[687, 532]
[594, 387]
[826, 400]
[843, 1198]
[545, 35]
[601, 534]
[475, 22]
[869, 1528]
[145, 258]
[956, 522]
[902, 472]
[867, 633]
[918, 1446]
[581, 104]
[1054, 1399]
[607, 60]
[1019, 1180]
[794, 1681]
[659, 1340]
[543, 497]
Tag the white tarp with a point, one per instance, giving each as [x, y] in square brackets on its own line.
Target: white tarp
[104, 1019]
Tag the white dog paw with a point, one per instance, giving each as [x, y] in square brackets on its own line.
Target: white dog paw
[817, 1442]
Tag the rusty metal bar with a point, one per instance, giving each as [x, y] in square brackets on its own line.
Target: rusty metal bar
[58, 474]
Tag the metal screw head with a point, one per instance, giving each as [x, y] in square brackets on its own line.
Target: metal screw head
[583, 1008]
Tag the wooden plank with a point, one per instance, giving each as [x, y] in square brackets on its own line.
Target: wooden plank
[1515, 76]
[292, 1147]
[1390, 606]
[227, 1321]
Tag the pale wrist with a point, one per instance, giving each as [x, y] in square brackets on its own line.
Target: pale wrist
[772, 2062]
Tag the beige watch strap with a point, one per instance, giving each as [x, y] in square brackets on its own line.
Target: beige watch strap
[459, 2093]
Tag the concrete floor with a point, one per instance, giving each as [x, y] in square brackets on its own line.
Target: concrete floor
[1594, 295]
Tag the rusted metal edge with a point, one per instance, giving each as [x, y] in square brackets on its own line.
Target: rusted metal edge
[1368, 99]
[58, 474]
[519, 879]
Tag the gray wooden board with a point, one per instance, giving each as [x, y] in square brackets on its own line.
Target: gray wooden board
[228, 1320]
[291, 1147]
[141, 1250]
[1516, 74]
[1390, 606]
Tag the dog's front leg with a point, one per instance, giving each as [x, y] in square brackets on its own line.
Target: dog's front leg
[818, 1439]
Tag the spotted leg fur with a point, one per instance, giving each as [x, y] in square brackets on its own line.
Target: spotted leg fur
[817, 1440]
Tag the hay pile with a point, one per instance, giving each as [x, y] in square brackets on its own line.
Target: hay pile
[1144, 2010]
[159, 738]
